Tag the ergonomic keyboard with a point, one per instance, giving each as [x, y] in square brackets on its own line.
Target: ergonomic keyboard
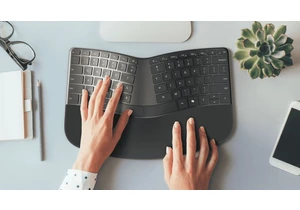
[160, 90]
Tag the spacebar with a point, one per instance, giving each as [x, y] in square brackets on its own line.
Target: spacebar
[161, 109]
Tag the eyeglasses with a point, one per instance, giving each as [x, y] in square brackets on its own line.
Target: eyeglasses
[21, 52]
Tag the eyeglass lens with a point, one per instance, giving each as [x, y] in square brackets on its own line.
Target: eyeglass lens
[6, 30]
[22, 50]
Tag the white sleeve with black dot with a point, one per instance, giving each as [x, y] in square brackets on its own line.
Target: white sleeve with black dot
[79, 180]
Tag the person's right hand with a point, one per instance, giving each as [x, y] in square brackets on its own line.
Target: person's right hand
[189, 172]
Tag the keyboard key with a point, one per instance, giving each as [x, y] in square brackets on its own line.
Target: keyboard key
[193, 54]
[116, 75]
[219, 88]
[208, 79]
[193, 101]
[125, 98]
[157, 78]
[127, 88]
[160, 88]
[133, 61]
[214, 101]
[112, 64]
[85, 52]
[204, 89]
[164, 97]
[176, 74]
[88, 70]
[203, 100]
[173, 56]
[197, 61]
[95, 53]
[76, 70]
[213, 96]
[109, 94]
[163, 58]
[183, 55]
[221, 79]
[85, 60]
[76, 52]
[131, 69]
[127, 78]
[185, 92]
[195, 91]
[103, 63]
[211, 52]
[219, 59]
[183, 103]
[223, 69]
[114, 84]
[179, 64]
[190, 81]
[199, 80]
[153, 61]
[171, 85]
[224, 98]
[188, 62]
[206, 60]
[158, 68]
[176, 94]
[122, 66]
[104, 54]
[97, 72]
[170, 65]
[88, 80]
[90, 89]
[123, 58]
[76, 88]
[213, 69]
[202, 52]
[76, 79]
[73, 99]
[96, 79]
[167, 76]
[180, 83]
[204, 70]
[94, 61]
[114, 56]
[195, 71]
[185, 72]
[75, 60]
[106, 72]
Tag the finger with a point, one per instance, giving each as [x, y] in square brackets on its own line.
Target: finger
[93, 99]
[168, 162]
[204, 150]
[83, 106]
[190, 145]
[214, 157]
[123, 120]
[177, 146]
[113, 101]
[100, 98]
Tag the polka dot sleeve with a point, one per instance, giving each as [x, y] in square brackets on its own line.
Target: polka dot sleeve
[78, 180]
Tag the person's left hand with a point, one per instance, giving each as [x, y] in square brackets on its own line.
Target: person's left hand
[98, 139]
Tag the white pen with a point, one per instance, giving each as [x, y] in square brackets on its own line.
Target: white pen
[39, 87]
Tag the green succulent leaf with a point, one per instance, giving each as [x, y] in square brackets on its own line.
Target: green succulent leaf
[241, 54]
[253, 52]
[257, 44]
[276, 72]
[270, 39]
[249, 63]
[256, 26]
[240, 44]
[279, 31]
[248, 44]
[254, 72]
[267, 60]
[267, 70]
[287, 61]
[261, 36]
[281, 40]
[246, 33]
[260, 63]
[242, 65]
[269, 29]
[289, 40]
[279, 54]
[276, 63]
[286, 47]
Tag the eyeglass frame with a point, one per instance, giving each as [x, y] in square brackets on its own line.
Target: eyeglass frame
[5, 44]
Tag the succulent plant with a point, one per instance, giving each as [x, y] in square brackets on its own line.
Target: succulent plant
[263, 51]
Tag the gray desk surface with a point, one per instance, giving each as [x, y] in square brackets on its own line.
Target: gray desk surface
[260, 106]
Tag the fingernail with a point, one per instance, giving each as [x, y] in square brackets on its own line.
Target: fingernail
[214, 142]
[191, 121]
[99, 81]
[83, 91]
[202, 128]
[167, 150]
[129, 112]
[176, 124]
[119, 84]
[106, 78]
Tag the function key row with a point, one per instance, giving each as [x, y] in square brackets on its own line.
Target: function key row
[187, 54]
[103, 54]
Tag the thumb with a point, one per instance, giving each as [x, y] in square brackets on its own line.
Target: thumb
[122, 122]
[168, 163]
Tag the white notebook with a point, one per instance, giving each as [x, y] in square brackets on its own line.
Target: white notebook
[16, 105]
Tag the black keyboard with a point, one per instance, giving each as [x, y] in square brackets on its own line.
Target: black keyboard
[157, 85]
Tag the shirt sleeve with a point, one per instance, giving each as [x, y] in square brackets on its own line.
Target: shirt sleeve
[78, 180]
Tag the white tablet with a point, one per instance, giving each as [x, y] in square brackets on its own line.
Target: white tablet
[145, 31]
